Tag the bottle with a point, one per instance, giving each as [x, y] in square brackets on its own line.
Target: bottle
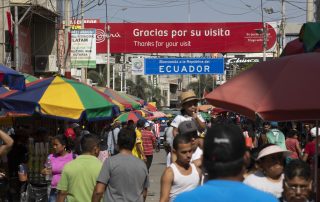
[22, 169]
[48, 166]
[22, 173]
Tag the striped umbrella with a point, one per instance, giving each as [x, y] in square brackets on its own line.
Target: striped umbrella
[141, 101]
[121, 99]
[126, 116]
[29, 78]
[61, 98]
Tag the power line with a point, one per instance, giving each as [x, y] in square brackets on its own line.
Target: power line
[295, 6]
[225, 13]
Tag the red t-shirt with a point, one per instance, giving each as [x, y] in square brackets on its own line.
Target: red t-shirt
[310, 149]
[291, 144]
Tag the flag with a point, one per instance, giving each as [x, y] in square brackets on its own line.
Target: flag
[9, 21]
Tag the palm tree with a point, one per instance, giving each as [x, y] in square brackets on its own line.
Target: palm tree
[205, 82]
[156, 95]
[138, 88]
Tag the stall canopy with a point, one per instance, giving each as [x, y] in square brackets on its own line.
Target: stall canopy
[126, 116]
[277, 90]
[11, 78]
[28, 79]
[124, 102]
[61, 98]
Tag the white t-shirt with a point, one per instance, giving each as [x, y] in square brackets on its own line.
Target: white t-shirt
[259, 181]
[179, 118]
[196, 154]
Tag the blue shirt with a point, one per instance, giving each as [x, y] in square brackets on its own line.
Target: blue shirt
[225, 191]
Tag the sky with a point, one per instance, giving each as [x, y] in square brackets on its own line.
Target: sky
[195, 11]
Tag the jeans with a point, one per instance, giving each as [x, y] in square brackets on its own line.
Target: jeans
[53, 195]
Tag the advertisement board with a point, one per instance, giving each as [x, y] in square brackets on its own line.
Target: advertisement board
[184, 65]
[83, 48]
[183, 37]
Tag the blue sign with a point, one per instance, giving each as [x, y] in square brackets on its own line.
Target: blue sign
[184, 65]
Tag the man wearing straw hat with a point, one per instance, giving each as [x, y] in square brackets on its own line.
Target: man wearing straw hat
[189, 112]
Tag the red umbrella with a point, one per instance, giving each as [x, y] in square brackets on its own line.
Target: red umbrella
[293, 47]
[280, 89]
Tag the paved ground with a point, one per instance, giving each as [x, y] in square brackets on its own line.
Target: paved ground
[156, 170]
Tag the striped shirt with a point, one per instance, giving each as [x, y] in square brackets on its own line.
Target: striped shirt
[148, 139]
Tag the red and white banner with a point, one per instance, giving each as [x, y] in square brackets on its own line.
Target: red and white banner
[183, 37]
[25, 50]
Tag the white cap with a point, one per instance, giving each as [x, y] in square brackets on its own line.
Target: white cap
[272, 149]
[146, 124]
[314, 131]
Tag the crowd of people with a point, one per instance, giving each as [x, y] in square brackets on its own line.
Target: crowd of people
[229, 158]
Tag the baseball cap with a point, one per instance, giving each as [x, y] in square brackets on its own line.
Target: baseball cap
[272, 149]
[187, 127]
[274, 124]
[74, 125]
[313, 131]
[224, 143]
[146, 124]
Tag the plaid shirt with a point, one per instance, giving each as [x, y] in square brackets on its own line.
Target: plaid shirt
[148, 139]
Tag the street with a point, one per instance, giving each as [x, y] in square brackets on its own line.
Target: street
[157, 167]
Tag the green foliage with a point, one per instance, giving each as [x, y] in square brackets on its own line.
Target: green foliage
[204, 82]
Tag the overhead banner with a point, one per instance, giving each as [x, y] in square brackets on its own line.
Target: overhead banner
[83, 48]
[183, 37]
[184, 65]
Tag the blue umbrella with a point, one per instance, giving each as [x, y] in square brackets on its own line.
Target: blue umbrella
[11, 78]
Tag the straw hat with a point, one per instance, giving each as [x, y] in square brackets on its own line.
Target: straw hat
[272, 149]
[188, 96]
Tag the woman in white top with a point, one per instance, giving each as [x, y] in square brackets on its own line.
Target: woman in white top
[270, 177]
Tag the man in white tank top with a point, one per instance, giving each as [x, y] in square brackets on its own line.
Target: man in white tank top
[181, 175]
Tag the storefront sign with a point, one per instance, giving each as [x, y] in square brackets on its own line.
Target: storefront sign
[183, 37]
[184, 65]
[240, 60]
[83, 48]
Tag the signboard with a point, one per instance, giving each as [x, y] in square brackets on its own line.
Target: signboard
[137, 66]
[240, 60]
[83, 48]
[184, 65]
[102, 59]
[183, 37]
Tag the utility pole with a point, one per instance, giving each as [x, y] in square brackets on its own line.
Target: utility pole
[264, 40]
[83, 69]
[310, 12]
[107, 33]
[2, 33]
[66, 38]
[283, 24]
[16, 38]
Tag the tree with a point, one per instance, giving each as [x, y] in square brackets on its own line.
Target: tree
[138, 88]
[205, 82]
